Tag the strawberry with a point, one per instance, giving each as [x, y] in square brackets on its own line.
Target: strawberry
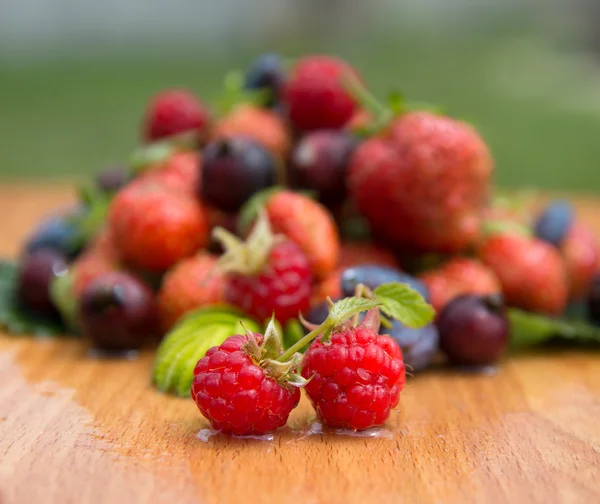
[457, 277]
[241, 389]
[264, 126]
[266, 274]
[330, 286]
[154, 228]
[172, 112]
[580, 252]
[315, 95]
[309, 225]
[355, 253]
[180, 172]
[531, 272]
[428, 172]
[190, 284]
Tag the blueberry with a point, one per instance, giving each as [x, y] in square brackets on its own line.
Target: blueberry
[554, 222]
[474, 330]
[419, 346]
[593, 301]
[373, 275]
[318, 163]
[36, 273]
[235, 169]
[266, 72]
[57, 233]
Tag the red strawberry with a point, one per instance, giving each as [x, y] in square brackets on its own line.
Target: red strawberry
[237, 389]
[174, 111]
[154, 228]
[428, 172]
[356, 377]
[180, 172]
[457, 277]
[580, 252]
[354, 253]
[267, 274]
[315, 96]
[330, 286]
[190, 284]
[262, 125]
[531, 272]
[309, 225]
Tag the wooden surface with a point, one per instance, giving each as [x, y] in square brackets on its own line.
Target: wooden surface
[74, 429]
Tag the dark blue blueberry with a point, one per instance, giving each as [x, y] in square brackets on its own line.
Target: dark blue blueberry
[593, 301]
[57, 233]
[554, 222]
[373, 275]
[419, 346]
[235, 169]
[266, 72]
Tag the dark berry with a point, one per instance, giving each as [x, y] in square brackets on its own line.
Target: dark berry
[419, 346]
[373, 276]
[318, 313]
[594, 301]
[234, 169]
[318, 162]
[553, 224]
[111, 179]
[267, 73]
[36, 273]
[474, 330]
[58, 233]
[118, 312]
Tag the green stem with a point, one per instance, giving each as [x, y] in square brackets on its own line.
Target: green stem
[305, 341]
[365, 98]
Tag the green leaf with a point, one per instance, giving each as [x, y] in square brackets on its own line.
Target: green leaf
[88, 222]
[345, 308]
[396, 102]
[63, 297]
[14, 318]
[293, 333]
[405, 304]
[147, 155]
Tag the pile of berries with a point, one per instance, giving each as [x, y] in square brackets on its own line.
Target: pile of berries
[298, 195]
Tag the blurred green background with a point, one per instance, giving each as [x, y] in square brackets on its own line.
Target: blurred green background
[72, 96]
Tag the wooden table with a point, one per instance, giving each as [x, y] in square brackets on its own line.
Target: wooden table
[74, 429]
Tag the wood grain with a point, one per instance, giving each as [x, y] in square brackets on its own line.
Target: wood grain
[77, 429]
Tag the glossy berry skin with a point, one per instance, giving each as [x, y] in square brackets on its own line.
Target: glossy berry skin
[234, 169]
[419, 346]
[554, 222]
[266, 73]
[36, 273]
[428, 172]
[111, 179]
[357, 378]
[318, 163]
[117, 312]
[190, 284]
[154, 228]
[474, 330]
[174, 111]
[263, 126]
[593, 301]
[283, 286]
[459, 276]
[315, 96]
[372, 276]
[308, 224]
[581, 254]
[57, 233]
[531, 272]
[236, 395]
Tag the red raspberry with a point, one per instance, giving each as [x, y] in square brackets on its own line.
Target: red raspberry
[154, 228]
[356, 378]
[174, 111]
[235, 393]
[315, 95]
[283, 286]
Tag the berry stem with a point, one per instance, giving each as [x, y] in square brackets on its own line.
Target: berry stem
[306, 340]
[381, 114]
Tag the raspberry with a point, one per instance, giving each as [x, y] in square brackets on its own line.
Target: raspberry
[174, 111]
[236, 395]
[356, 378]
[315, 96]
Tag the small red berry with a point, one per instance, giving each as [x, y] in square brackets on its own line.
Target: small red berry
[357, 377]
[174, 111]
[236, 394]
